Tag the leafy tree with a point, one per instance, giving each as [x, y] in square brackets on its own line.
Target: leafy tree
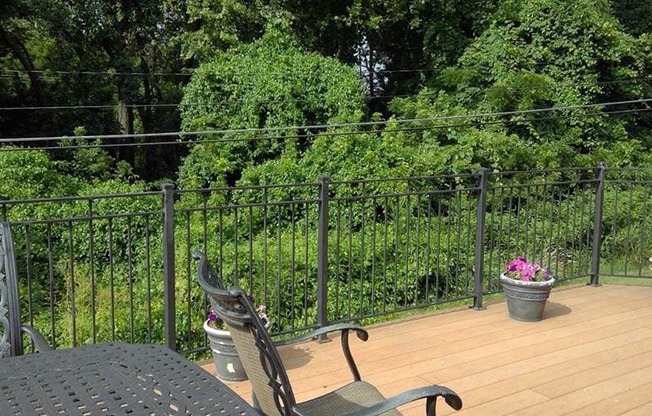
[72, 55]
[133, 42]
[541, 54]
[23, 45]
[398, 46]
[385, 40]
[216, 25]
[32, 174]
[634, 15]
[258, 89]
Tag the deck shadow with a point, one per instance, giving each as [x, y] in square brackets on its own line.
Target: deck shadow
[294, 357]
[554, 309]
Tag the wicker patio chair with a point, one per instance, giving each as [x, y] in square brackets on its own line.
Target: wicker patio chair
[11, 329]
[271, 387]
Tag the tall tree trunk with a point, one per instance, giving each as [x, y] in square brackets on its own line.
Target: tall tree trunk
[143, 155]
[125, 117]
[19, 50]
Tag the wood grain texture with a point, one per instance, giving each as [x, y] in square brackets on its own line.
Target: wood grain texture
[590, 355]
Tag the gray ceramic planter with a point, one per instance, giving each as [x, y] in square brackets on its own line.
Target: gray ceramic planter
[227, 362]
[526, 301]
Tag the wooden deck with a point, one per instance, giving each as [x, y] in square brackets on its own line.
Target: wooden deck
[591, 355]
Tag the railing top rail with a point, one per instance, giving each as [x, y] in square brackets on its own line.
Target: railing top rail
[87, 218]
[537, 184]
[404, 179]
[629, 181]
[245, 188]
[247, 205]
[539, 171]
[406, 193]
[640, 169]
[77, 198]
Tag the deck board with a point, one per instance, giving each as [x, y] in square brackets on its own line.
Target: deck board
[591, 355]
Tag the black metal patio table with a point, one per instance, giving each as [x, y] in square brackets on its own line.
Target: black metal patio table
[113, 379]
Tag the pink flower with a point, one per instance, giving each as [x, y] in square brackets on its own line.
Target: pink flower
[516, 264]
[521, 269]
[214, 320]
[527, 272]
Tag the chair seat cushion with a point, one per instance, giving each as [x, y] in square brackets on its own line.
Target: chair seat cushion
[347, 399]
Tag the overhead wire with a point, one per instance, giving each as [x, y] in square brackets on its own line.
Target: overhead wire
[336, 125]
[243, 101]
[323, 133]
[106, 73]
[159, 73]
[87, 107]
[190, 72]
[327, 134]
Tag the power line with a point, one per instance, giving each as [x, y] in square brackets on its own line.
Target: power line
[114, 73]
[109, 73]
[104, 73]
[323, 127]
[339, 125]
[192, 70]
[398, 71]
[328, 134]
[242, 100]
[87, 107]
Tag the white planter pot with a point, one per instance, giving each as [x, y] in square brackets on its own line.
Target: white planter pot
[228, 366]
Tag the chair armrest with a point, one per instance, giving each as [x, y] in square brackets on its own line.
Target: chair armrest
[360, 331]
[37, 339]
[346, 349]
[430, 393]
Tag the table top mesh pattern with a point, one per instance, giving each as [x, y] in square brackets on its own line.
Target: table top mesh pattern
[113, 379]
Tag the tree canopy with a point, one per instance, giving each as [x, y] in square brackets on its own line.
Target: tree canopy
[538, 55]
[266, 98]
[565, 80]
[114, 97]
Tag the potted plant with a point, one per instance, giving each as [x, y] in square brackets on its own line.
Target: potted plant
[228, 366]
[527, 287]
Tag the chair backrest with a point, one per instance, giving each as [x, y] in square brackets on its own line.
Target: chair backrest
[11, 343]
[260, 359]
[207, 272]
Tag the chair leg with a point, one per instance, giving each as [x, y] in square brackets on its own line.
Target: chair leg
[431, 403]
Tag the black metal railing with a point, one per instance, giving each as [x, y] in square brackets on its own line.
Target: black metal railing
[119, 266]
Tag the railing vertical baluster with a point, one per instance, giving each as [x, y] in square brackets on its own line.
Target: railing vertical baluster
[53, 297]
[73, 284]
[91, 259]
[28, 272]
[322, 255]
[130, 281]
[265, 247]
[112, 278]
[293, 263]
[148, 275]
[597, 223]
[481, 214]
[168, 267]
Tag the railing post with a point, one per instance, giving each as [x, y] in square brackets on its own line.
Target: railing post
[169, 309]
[481, 213]
[322, 255]
[597, 225]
